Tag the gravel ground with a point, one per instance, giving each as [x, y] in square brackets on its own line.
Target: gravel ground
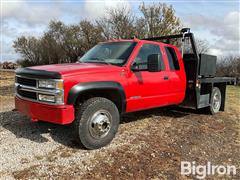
[24, 145]
[149, 145]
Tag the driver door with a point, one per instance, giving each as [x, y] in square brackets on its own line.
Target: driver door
[148, 89]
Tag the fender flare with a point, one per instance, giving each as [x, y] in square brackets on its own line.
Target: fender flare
[80, 88]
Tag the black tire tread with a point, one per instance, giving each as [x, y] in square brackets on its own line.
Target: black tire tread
[79, 112]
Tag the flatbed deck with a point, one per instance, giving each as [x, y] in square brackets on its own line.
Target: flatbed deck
[227, 80]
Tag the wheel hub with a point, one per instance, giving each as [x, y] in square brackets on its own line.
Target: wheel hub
[216, 101]
[100, 124]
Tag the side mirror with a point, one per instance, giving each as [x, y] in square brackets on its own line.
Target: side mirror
[155, 63]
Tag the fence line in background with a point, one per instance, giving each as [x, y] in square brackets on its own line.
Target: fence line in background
[7, 70]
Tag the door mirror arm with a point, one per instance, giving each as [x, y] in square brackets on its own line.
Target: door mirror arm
[135, 67]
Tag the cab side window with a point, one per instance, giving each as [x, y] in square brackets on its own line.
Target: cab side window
[144, 52]
[172, 58]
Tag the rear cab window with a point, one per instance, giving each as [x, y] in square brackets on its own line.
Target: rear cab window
[172, 58]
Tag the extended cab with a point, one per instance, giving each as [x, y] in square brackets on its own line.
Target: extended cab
[113, 78]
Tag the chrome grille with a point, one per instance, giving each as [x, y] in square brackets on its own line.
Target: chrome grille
[27, 88]
[26, 81]
[27, 94]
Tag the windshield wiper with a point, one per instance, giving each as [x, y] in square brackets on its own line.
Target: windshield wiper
[97, 60]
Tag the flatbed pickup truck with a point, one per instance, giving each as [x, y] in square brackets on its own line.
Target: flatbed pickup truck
[117, 77]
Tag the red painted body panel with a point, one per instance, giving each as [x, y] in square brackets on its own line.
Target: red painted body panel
[143, 89]
[37, 111]
[151, 88]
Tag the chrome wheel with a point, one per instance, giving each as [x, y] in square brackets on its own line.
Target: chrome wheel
[96, 122]
[216, 100]
[100, 124]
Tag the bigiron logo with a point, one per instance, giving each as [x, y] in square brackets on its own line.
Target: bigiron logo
[202, 171]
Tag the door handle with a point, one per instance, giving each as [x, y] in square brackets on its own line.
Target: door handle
[166, 78]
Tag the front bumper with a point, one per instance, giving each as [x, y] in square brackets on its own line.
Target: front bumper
[62, 114]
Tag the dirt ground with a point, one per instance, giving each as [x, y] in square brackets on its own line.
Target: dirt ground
[149, 145]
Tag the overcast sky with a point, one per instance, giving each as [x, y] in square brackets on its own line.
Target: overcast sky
[215, 21]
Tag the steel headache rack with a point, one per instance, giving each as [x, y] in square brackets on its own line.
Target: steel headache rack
[200, 69]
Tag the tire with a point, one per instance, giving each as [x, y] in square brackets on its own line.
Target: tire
[216, 100]
[96, 122]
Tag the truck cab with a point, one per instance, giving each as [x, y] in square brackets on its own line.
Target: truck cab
[112, 78]
[149, 87]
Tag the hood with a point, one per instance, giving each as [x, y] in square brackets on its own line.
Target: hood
[58, 70]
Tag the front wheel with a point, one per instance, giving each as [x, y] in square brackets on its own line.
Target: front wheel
[216, 100]
[96, 122]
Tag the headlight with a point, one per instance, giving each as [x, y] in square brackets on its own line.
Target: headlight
[46, 98]
[59, 98]
[54, 91]
[50, 84]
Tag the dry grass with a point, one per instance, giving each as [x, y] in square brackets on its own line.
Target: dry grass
[6, 90]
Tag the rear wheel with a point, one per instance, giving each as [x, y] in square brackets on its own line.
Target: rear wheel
[216, 100]
[96, 122]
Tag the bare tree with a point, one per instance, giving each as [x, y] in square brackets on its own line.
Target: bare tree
[90, 35]
[29, 48]
[59, 44]
[229, 66]
[159, 19]
[118, 23]
[64, 43]
[202, 46]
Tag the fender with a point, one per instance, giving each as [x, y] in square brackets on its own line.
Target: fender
[80, 88]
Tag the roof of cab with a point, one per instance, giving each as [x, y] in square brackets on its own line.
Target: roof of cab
[132, 40]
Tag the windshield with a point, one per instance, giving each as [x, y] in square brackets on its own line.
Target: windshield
[116, 53]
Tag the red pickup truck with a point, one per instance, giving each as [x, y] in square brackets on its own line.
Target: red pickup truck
[117, 77]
